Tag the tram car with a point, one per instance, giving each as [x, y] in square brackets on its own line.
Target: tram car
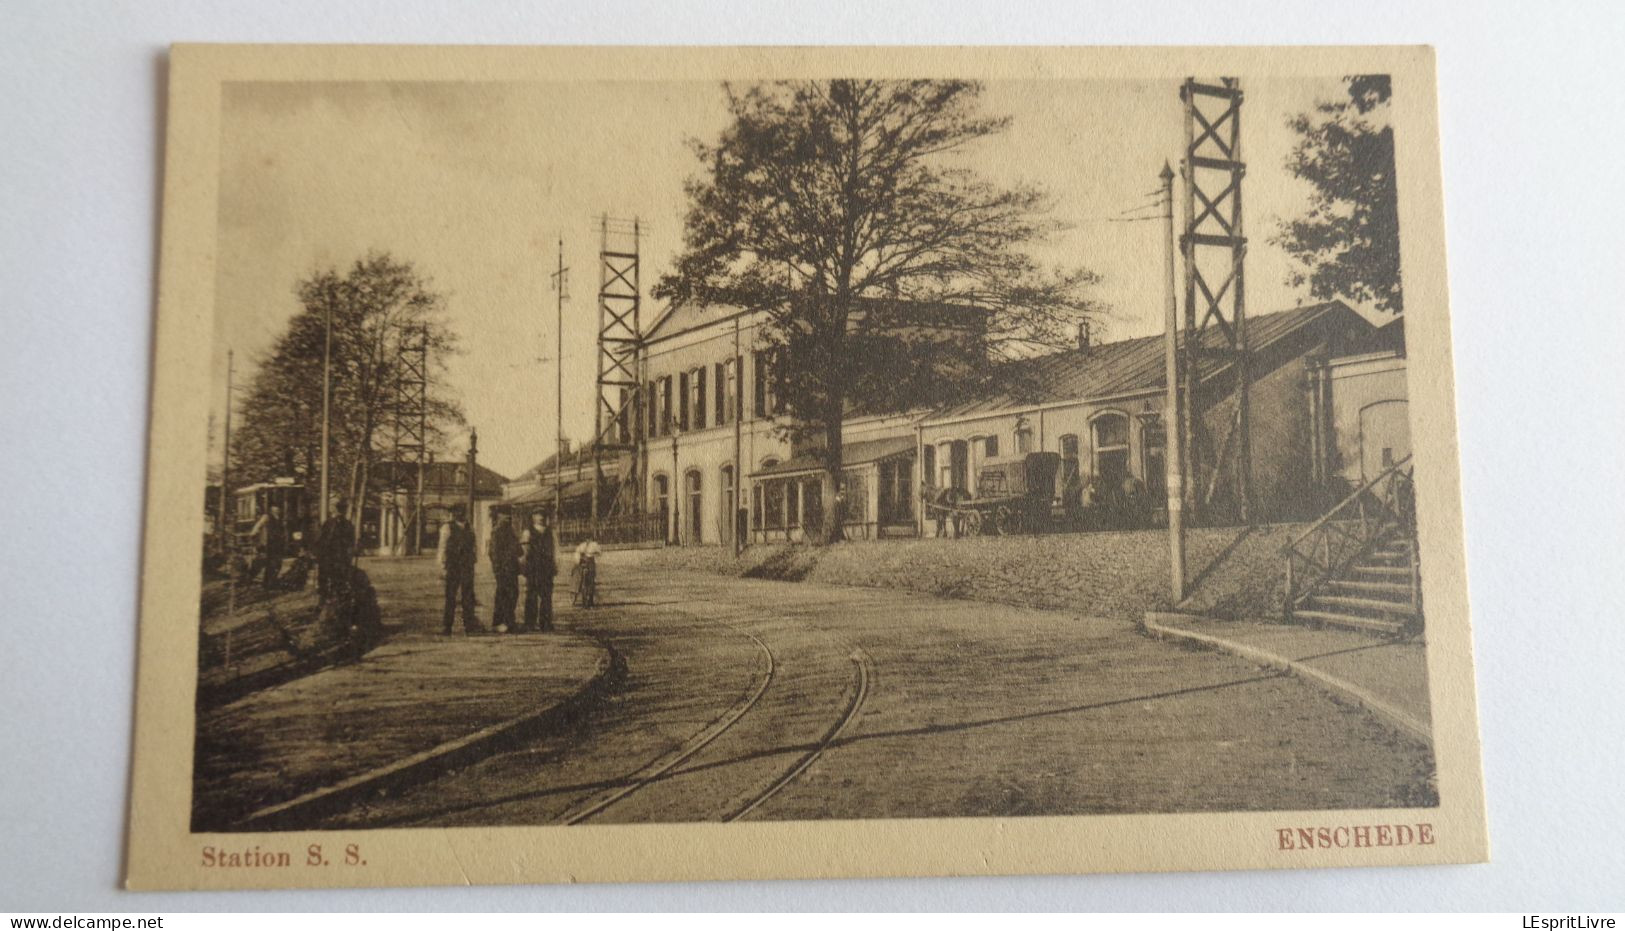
[250, 502]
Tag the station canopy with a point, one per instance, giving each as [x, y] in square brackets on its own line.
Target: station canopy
[861, 452]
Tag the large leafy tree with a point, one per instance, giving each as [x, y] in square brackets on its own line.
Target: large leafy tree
[1347, 241]
[372, 306]
[890, 274]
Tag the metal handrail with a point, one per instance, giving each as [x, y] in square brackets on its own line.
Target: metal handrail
[1346, 501]
[1369, 531]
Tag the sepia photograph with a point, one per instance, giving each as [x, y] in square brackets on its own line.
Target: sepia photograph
[839, 441]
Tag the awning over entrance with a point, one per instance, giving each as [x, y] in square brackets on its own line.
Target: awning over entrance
[862, 452]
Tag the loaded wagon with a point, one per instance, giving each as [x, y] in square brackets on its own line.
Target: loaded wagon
[1013, 495]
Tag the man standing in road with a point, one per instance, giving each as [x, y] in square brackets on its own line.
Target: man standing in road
[267, 535]
[333, 548]
[503, 550]
[540, 565]
[456, 557]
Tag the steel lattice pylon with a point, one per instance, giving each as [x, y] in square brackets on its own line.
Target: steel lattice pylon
[409, 423]
[1214, 249]
[617, 429]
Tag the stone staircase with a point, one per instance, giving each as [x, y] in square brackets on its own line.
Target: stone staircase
[1378, 593]
[1357, 566]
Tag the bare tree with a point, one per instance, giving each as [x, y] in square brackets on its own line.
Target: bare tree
[842, 210]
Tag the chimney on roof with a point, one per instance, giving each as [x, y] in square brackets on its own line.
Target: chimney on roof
[1083, 335]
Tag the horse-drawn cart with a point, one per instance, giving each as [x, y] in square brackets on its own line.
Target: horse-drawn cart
[1013, 495]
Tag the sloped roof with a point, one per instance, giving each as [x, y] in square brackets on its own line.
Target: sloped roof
[680, 318]
[439, 475]
[861, 452]
[572, 491]
[1127, 366]
[580, 455]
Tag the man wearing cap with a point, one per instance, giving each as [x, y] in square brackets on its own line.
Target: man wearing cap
[456, 556]
[503, 551]
[540, 565]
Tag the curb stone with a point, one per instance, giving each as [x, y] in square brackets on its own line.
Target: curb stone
[1155, 625]
[428, 763]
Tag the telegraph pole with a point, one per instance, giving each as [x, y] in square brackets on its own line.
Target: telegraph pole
[473, 454]
[560, 283]
[739, 421]
[228, 528]
[1173, 465]
[327, 391]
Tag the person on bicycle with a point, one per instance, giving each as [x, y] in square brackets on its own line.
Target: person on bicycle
[586, 572]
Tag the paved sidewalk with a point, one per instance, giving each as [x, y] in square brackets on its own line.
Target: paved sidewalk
[1388, 677]
[408, 705]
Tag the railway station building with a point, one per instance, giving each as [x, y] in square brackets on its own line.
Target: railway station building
[1328, 408]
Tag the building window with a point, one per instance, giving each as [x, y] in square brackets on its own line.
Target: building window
[773, 509]
[662, 501]
[896, 491]
[683, 400]
[698, 380]
[766, 403]
[722, 392]
[956, 471]
[693, 485]
[730, 505]
[792, 504]
[665, 405]
[1111, 449]
[991, 446]
[812, 504]
[1154, 456]
[651, 406]
[928, 464]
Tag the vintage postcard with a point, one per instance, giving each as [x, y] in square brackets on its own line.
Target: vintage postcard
[636, 464]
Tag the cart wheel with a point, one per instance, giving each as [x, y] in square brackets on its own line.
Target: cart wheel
[1003, 521]
[973, 523]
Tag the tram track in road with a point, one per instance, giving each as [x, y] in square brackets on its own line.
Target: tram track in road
[667, 766]
[660, 767]
[795, 691]
[860, 693]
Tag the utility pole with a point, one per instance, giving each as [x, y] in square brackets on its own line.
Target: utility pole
[327, 391]
[228, 528]
[473, 455]
[739, 426]
[1173, 465]
[560, 284]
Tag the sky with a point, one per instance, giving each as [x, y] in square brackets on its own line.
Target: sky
[477, 183]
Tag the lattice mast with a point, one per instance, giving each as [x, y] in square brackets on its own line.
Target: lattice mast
[1214, 248]
[410, 427]
[617, 429]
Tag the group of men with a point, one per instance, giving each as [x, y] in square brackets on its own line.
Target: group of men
[333, 551]
[531, 554]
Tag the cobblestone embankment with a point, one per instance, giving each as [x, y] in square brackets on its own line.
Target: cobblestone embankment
[1237, 573]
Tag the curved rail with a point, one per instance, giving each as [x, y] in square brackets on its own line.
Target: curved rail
[694, 744]
[860, 694]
